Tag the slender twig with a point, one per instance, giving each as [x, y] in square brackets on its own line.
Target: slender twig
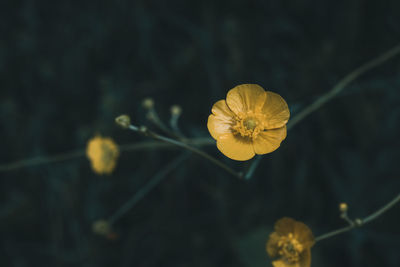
[199, 142]
[252, 167]
[336, 89]
[342, 84]
[80, 153]
[379, 212]
[360, 222]
[333, 233]
[147, 188]
[173, 122]
[155, 119]
[41, 160]
[143, 130]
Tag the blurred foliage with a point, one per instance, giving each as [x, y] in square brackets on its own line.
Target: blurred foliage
[69, 68]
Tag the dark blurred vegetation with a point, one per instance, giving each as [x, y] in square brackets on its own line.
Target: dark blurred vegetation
[67, 69]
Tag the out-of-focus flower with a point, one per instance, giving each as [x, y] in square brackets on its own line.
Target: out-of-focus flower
[290, 243]
[176, 110]
[103, 153]
[250, 121]
[103, 228]
[148, 103]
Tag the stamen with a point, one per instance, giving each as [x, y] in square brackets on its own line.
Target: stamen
[248, 125]
[290, 248]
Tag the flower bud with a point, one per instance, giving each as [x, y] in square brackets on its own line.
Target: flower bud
[101, 227]
[176, 110]
[343, 207]
[124, 121]
[148, 103]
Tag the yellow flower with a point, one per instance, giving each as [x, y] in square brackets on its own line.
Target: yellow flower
[250, 121]
[291, 243]
[103, 154]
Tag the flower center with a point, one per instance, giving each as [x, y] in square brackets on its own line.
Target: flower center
[108, 153]
[248, 125]
[290, 248]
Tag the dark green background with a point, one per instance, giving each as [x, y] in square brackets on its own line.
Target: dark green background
[68, 68]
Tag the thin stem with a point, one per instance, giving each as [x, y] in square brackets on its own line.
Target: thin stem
[336, 89]
[361, 222]
[146, 132]
[41, 160]
[160, 144]
[345, 217]
[174, 125]
[379, 212]
[342, 84]
[252, 167]
[333, 233]
[147, 188]
[153, 117]
[80, 153]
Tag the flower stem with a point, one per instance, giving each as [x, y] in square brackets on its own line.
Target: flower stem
[336, 89]
[361, 222]
[333, 233]
[80, 153]
[147, 188]
[252, 167]
[153, 117]
[342, 84]
[379, 212]
[41, 160]
[147, 132]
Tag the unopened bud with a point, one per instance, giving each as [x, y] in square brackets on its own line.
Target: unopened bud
[176, 110]
[124, 121]
[143, 129]
[343, 207]
[358, 222]
[148, 103]
[101, 227]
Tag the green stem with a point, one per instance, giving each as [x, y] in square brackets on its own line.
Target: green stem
[41, 160]
[80, 153]
[361, 222]
[379, 212]
[147, 188]
[146, 132]
[342, 84]
[331, 94]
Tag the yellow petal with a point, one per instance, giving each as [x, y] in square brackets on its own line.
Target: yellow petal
[284, 226]
[269, 141]
[220, 121]
[279, 263]
[235, 147]
[272, 245]
[276, 111]
[246, 97]
[305, 258]
[282, 263]
[103, 154]
[303, 234]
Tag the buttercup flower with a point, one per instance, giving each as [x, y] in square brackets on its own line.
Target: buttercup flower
[103, 154]
[290, 243]
[250, 121]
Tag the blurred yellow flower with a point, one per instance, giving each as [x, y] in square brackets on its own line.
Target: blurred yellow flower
[291, 243]
[250, 121]
[103, 154]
